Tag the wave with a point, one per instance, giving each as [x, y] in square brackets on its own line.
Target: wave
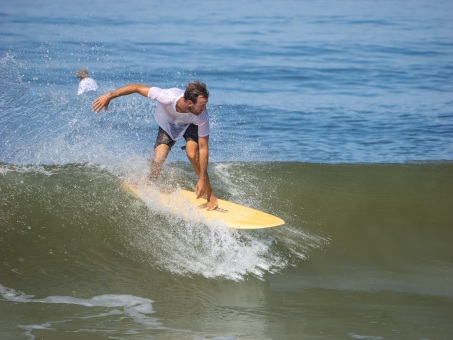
[86, 203]
[392, 218]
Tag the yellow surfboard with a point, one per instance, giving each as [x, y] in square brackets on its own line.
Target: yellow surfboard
[184, 204]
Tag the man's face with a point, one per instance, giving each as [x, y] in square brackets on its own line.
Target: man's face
[199, 107]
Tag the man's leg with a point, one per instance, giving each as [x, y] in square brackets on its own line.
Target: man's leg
[193, 155]
[191, 137]
[160, 155]
[162, 147]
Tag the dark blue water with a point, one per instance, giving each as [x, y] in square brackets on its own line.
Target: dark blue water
[300, 81]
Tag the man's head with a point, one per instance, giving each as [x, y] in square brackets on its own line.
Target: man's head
[196, 95]
[82, 73]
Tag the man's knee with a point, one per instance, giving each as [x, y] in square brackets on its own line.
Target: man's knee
[192, 153]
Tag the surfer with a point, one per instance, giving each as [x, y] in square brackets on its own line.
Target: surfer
[179, 113]
[86, 83]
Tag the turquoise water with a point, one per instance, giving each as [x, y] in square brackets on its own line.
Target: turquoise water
[335, 116]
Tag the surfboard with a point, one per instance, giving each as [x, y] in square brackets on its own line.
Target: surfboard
[184, 204]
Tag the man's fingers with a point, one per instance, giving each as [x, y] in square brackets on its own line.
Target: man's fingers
[199, 191]
[98, 105]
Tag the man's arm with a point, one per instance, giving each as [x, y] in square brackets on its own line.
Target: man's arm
[104, 100]
[204, 185]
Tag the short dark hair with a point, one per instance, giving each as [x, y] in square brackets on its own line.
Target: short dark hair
[194, 89]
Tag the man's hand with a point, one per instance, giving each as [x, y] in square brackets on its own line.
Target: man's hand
[101, 102]
[202, 188]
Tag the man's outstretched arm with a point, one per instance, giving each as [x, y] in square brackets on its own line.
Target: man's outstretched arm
[104, 100]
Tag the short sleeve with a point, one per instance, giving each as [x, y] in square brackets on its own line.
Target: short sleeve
[203, 127]
[163, 96]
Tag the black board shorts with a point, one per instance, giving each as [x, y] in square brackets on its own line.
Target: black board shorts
[164, 138]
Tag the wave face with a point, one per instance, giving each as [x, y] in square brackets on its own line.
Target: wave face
[83, 204]
[73, 238]
[355, 213]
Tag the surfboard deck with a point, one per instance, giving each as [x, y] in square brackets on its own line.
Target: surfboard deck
[183, 203]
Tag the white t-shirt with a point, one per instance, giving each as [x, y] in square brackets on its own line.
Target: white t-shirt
[87, 84]
[172, 122]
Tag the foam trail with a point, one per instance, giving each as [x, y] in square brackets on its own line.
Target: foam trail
[135, 307]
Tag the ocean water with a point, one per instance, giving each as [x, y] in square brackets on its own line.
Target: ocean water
[333, 115]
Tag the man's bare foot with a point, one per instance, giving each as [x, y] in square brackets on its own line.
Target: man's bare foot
[212, 203]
